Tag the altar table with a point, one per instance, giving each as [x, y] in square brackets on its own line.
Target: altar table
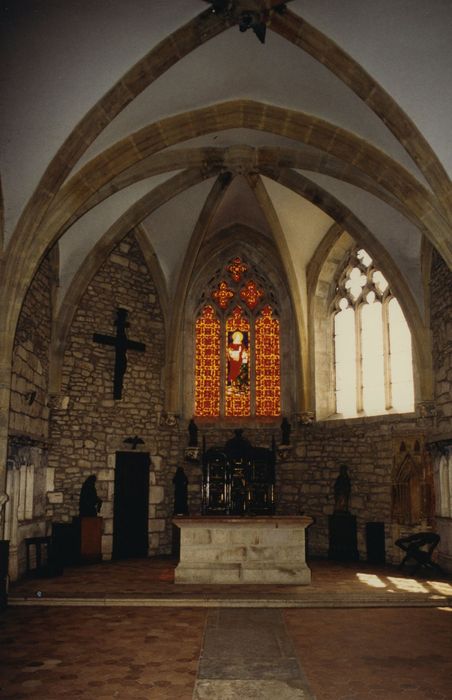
[247, 550]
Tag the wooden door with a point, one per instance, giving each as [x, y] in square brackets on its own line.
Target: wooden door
[131, 505]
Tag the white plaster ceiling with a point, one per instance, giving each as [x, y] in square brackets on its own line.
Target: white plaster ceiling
[239, 206]
[170, 229]
[303, 226]
[83, 235]
[396, 234]
[60, 58]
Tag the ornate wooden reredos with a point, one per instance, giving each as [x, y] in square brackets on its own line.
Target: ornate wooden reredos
[238, 479]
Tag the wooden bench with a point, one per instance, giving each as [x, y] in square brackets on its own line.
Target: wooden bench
[419, 548]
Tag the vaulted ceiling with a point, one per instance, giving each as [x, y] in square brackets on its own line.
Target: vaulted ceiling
[119, 114]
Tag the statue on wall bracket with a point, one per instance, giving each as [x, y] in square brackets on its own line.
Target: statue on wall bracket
[192, 451]
[285, 448]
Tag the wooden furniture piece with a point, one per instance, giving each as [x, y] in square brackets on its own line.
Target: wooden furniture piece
[419, 548]
[90, 539]
[4, 560]
[42, 548]
[342, 537]
[238, 479]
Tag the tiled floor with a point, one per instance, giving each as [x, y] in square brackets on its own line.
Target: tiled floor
[151, 581]
[166, 653]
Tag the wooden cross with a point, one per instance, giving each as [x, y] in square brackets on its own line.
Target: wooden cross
[121, 344]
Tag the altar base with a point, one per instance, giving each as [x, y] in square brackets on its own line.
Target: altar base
[219, 550]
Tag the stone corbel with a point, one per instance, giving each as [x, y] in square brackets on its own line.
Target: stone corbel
[306, 417]
[426, 409]
[4, 498]
[284, 451]
[192, 454]
[168, 420]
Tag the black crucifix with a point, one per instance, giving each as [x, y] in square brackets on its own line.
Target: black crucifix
[121, 343]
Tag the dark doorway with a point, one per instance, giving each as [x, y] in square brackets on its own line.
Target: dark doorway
[131, 504]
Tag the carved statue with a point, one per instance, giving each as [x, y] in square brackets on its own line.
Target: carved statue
[90, 503]
[180, 482]
[193, 434]
[342, 489]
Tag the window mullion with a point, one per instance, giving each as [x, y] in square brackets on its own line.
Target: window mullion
[386, 355]
[223, 368]
[359, 360]
[252, 366]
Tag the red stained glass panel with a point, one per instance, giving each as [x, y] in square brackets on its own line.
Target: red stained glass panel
[268, 364]
[223, 295]
[238, 350]
[207, 364]
[236, 269]
[251, 294]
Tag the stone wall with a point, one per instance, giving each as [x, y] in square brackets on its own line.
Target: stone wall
[30, 371]
[88, 426]
[28, 420]
[305, 476]
[441, 326]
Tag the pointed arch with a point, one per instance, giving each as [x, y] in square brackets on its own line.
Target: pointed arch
[319, 46]
[214, 257]
[323, 275]
[130, 220]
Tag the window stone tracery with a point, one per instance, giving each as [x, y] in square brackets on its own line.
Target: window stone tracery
[372, 343]
[237, 344]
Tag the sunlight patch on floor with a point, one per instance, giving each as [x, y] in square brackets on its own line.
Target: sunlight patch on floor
[371, 580]
[408, 584]
[441, 587]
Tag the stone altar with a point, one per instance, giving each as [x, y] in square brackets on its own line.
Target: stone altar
[268, 550]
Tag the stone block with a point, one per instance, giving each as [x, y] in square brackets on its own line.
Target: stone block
[157, 525]
[209, 574]
[157, 462]
[55, 497]
[106, 474]
[220, 537]
[157, 494]
[107, 544]
[195, 536]
[50, 479]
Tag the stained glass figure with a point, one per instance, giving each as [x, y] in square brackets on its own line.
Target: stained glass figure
[223, 295]
[251, 294]
[268, 364]
[236, 269]
[238, 349]
[237, 354]
[207, 364]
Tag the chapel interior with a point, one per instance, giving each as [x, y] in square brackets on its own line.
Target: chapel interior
[225, 273]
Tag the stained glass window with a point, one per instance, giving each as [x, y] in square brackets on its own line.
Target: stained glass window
[223, 295]
[251, 294]
[236, 269]
[237, 364]
[207, 364]
[237, 356]
[268, 357]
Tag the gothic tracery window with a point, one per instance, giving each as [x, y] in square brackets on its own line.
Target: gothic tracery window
[372, 343]
[237, 346]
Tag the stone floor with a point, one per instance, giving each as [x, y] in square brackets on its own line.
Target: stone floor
[389, 638]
